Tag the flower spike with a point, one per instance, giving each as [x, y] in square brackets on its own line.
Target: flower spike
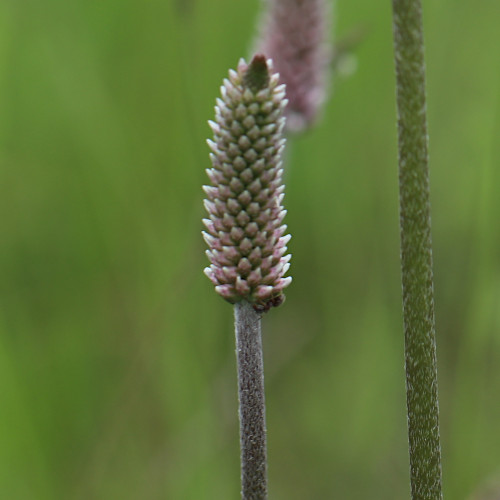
[294, 35]
[245, 230]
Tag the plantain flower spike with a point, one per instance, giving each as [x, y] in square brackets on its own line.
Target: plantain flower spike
[294, 34]
[245, 232]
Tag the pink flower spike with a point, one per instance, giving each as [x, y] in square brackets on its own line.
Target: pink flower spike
[294, 34]
[244, 201]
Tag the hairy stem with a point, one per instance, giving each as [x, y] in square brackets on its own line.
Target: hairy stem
[416, 254]
[252, 410]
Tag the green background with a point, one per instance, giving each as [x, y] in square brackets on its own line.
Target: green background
[117, 370]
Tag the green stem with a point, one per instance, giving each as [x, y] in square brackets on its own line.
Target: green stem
[416, 254]
[252, 409]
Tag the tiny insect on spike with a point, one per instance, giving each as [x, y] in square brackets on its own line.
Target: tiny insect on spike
[247, 250]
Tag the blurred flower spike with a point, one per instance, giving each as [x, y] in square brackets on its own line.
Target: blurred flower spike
[294, 34]
[245, 232]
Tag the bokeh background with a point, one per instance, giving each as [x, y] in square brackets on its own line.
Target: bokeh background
[117, 370]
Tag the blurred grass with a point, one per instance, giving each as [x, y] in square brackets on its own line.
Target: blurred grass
[117, 376]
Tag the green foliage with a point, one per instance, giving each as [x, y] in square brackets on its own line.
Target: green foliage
[112, 385]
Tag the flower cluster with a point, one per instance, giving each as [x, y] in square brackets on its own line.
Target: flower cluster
[245, 232]
[294, 35]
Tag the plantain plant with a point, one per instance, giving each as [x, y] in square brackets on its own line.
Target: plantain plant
[246, 237]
